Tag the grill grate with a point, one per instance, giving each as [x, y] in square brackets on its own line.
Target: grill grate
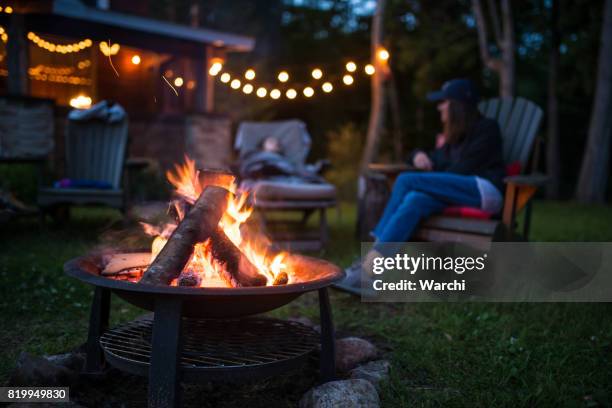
[214, 345]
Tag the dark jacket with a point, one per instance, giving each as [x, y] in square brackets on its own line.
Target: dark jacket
[478, 154]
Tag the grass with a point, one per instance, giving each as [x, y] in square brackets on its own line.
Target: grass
[442, 354]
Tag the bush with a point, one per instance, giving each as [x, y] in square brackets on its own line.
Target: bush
[344, 148]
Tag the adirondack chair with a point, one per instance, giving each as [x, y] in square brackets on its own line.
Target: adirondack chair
[519, 120]
[95, 150]
[274, 196]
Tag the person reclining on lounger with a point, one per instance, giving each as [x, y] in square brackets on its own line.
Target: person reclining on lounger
[465, 169]
[269, 162]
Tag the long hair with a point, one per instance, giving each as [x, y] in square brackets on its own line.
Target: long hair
[461, 118]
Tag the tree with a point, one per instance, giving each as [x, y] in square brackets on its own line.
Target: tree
[503, 30]
[595, 163]
[377, 106]
[553, 152]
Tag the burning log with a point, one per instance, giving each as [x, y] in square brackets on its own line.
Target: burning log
[198, 225]
[232, 265]
[189, 279]
[281, 279]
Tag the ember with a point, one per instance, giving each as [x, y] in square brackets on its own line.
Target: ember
[210, 243]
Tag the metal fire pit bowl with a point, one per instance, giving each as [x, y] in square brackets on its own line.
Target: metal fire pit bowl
[313, 273]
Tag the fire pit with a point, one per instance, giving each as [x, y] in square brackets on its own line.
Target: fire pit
[205, 275]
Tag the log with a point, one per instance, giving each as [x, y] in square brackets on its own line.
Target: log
[233, 266]
[281, 279]
[198, 225]
[189, 279]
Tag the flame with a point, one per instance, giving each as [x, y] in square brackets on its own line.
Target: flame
[188, 186]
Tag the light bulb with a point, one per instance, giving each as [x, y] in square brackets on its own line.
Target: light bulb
[351, 66]
[249, 74]
[347, 79]
[283, 76]
[291, 93]
[178, 81]
[327, 87]
[369, 69]
[247, 88]
[235, 84]
[262, 92]
[308, 92]
[136, 59]
[225, 77]
[317, 73]
[275, 94]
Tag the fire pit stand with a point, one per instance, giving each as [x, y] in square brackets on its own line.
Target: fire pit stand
[204, 334]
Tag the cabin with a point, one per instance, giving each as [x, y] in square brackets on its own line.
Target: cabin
[76, 53]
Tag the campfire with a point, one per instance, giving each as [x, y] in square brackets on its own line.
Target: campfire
[210, 243]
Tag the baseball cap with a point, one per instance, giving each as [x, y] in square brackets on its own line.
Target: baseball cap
[458, 89]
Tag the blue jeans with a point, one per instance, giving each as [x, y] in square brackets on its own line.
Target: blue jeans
[417, 195]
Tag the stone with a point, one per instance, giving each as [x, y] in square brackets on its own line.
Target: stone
[374, 372]
[73, 361]
[35, 371]
[342, 394]
[303, 320]
[352, 351]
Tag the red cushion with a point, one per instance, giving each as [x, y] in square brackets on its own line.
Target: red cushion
[467, 212]
[513, 169]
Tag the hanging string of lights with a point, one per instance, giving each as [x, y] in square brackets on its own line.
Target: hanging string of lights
[59, 48]
[291, 90]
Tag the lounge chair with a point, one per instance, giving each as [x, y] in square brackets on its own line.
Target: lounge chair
[278, 196]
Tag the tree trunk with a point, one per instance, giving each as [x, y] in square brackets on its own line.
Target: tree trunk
[377, 105]
[595, 166]
[553, 153]
[504, 39]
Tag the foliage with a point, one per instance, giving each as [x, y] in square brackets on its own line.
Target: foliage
[344, 148]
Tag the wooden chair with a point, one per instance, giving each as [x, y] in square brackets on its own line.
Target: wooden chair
[519, 120]
[95, 150]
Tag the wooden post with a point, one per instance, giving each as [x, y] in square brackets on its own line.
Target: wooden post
[18, 56]
[208, 81]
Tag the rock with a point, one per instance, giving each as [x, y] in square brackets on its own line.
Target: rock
[303, 320]
[73, 361]
[352, 351]
[374, 372]
[38, 371]
[342, 394]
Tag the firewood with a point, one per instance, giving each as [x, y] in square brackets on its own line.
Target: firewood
[281, 279]
[198, 225]
[233, 266]
[189, 278]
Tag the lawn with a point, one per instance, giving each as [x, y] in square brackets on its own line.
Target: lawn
[442, 354]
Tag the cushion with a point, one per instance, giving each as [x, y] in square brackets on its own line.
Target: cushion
[513, 169]
[467, 212]
[283, 190]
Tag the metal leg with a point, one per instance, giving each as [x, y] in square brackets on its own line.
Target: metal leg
[98, 323]
[323, 229]
[164, 373]
[328, 339]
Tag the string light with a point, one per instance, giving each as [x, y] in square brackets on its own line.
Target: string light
[369, 69]
[327, 87]
[347, 79]
[109, 50]
[382, 54]
[225, 77]
[351, 66]
[316, 73]
[262, 92]
[275, 94]
[3, 35]
[249, 74]
[178, 82]
[81, 102]
[291, 93]
[7, 9]
[283, 76]
[136, 59]
[235, 84]
[247, 88]
[308, 92]
[59, 48]
[191, 84]
[215, 68]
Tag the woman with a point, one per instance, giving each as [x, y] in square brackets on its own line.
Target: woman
[465, 169]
